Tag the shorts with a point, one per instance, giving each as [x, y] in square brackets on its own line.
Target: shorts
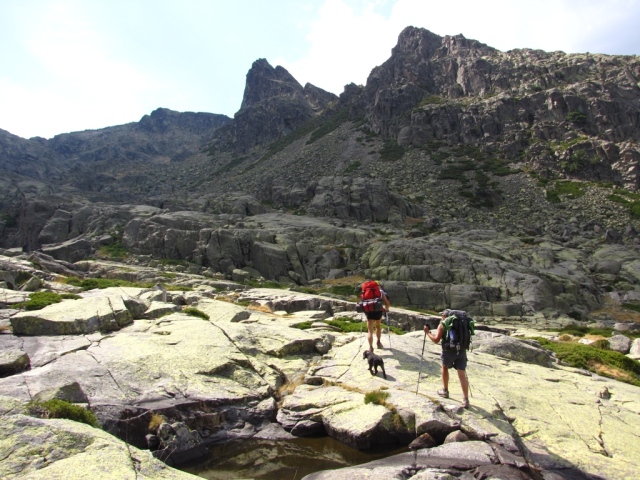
[454, 359]
[373, 315]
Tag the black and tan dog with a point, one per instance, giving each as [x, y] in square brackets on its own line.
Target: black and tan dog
[375, 361]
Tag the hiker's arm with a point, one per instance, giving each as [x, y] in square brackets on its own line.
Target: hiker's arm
[386, 302]
[435, 338]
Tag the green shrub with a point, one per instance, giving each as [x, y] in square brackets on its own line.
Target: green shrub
[377, 397]
[631, 306]
[353, 166]
[194, 312]
[173, 262]
[329, 125]
[57, 408]
[115, 250]
[567, 189]
[92, 283]
[603, 362]
[347, 324]
[344, 290]
[576, 117]
[302, 325]
[391, 151]
[603, 343]
[39, 300]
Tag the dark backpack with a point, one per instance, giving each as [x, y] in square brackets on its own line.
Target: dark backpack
[371, 297]
[459, 335]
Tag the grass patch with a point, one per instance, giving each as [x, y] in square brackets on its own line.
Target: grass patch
[564, 189]
[631, 306]
[576, 117]
[232, 164]
[57, 408]
[432, 100]
[194, 312]
[329, 125]
[115, 250]
[353, 166]
[377, 397]
[630, 200]
[92, 283]
[581, 331]
[391, 151]
[303, 325]
[346, 324]
[344, 290]
[173, 263]
[155, 422]
[597, 360]
[265, 284]
[39, 300]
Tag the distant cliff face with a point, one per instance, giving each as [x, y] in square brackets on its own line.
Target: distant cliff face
[577, 115]
[274, 105]
[441, 113]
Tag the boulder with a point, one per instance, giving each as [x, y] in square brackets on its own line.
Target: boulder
[74, 317]
[510, 348]
[620, 343]
[45, 449]
[70, 251]
[13, 361]
[160, 309]
[70, 392]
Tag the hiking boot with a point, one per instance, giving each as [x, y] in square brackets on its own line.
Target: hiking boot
[443, 393]
[371, 349]
[380, 345]
[465, 403]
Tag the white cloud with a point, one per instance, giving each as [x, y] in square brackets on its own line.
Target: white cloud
[346, 44]
[84, 85]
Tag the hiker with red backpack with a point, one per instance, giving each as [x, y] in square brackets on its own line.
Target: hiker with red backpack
[455, 330]
[373, 303]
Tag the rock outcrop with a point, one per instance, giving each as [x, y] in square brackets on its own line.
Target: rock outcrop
[179, 383]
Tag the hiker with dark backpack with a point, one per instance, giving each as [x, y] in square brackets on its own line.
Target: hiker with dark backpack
[455, 330]
[373, 302]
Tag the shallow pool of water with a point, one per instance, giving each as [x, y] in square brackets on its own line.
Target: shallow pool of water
[278, 460]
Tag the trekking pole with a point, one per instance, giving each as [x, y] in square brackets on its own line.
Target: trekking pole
[386, 314]
[421, 357]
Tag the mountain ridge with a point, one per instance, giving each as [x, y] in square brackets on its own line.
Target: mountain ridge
[447, 136]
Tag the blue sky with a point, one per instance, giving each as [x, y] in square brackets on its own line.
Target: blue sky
[71, 65]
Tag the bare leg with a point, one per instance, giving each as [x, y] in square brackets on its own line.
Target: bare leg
[445, 377]
[370, 334]
[378, 332]
[464, 383]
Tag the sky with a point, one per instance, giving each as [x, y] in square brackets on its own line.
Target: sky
[72, 65]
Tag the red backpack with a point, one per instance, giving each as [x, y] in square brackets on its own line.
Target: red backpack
[370, 290]
[371, 297]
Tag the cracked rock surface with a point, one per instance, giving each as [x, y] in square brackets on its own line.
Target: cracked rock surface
[218, 379]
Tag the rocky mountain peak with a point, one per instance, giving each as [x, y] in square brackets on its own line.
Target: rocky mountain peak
[413, 39]
[162, 120]
[265, 81]
[274, 104]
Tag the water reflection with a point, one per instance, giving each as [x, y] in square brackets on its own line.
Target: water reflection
[277, 460]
